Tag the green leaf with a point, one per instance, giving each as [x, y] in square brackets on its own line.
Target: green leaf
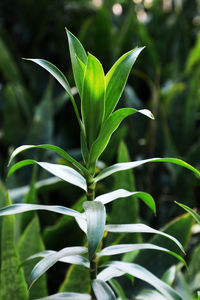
[72, 259]
[109, 273]
[118, 289]
[93, 103]
[56, 149]
[77, 52]
[51, 259]
[96, 218]
[109, 126]
[150, 295]
[60, 77]
[121, 193]
[124, 248]
[67, 296]
[116, 79]
[142, 228]
[19, 208]
[63, 172]
[29, 243]
[102, 290]
[130, 165]
[13, 284]
[190, 211]
[143, 274]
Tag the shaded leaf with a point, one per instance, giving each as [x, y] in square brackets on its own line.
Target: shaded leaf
[190, 211]
[102, 290]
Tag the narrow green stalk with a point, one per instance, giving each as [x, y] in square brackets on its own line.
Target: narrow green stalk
[91, 190]
[93, 275]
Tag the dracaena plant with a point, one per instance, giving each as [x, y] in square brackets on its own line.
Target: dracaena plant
[99, 95]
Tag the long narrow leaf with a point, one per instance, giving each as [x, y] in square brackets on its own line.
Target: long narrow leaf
[77, 51]
[116, 78]
[60, 77]
[109, 273]
[142, 228]
[67, 296]
[130, 165]
[51, 259]
[56, 149]
[143, 274]
[102, 290]
[93, 103]
[190, 211]
[73, 259]
[96, 218]
[110, 125]
[124, 248]
[22, 207]
[63, 172]
[121, 193]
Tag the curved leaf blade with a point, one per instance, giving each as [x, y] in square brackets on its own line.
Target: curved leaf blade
[102, 290]
[63, 172]
[22, 207]
[77, 51]
[67, 296]
[143, 274]
[53, 148]
[130, 165]
[142, 228]
[51, 259]
[109, 273]
[96, 218]
[93, 103]
[124, 248]
[190, 211]
[73, 259]
[109, 126]
[116, 79]
[121, 193]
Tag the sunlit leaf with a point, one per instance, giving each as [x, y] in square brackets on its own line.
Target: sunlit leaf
[63, 172]
[67, 296]
[102, 290]
[116, 79]
[121, 193]
[96, 218]
[130, 165]
[51, 259]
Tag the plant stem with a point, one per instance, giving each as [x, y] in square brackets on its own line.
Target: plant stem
[93, 265]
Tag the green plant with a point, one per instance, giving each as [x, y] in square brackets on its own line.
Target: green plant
[99, 96]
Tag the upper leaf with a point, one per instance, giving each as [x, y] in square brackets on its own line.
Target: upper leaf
[109, 126]
[116, 79]
[191, 211]
[77, 52]
[63, 172]
[96, 218]
[130, 165]
[92, 105]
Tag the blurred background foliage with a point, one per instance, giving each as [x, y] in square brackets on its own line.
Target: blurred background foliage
[34, 110]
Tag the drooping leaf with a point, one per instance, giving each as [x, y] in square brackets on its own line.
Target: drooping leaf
[109, 273]
[56, 149]
[150, 295]
[51, 259]
[124, 248]
[121, 193]
[13, 284]
[67, 296]
[63, 172]
[20, 207]
[190, 211]
[60, 77]
[93, 102]
[118, 289]
[30, 242]
[130, 165]
[96, 218]
[77, 51]
[72, 259]
[143, 274]
[109, 126]
[102, 290]
[116, 79]
[140, 228]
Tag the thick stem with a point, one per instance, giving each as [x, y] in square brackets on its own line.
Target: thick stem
[90, 190]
